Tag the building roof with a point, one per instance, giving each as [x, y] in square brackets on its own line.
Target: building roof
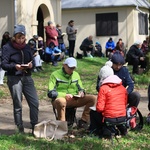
[69, 4]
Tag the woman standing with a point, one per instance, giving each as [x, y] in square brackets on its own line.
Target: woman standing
[17, 61]
[71, 32]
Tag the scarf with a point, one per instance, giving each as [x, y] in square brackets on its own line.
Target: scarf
[18, 46]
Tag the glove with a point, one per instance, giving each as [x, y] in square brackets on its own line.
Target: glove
[52, 94]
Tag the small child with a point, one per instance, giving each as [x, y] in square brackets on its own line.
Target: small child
[98, 49]
[105, 72]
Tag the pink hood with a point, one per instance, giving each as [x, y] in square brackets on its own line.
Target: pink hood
[112, 79]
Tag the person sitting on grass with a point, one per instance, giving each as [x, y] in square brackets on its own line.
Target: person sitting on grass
[87, 46]
[64, 84]
[135, 57]
[98, 50]
[111, 103]
[53, 54]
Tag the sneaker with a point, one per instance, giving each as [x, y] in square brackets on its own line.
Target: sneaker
[89, 55]
[148, 118]
[82, 124]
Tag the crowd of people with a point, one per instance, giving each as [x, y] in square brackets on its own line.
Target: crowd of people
[115, 86]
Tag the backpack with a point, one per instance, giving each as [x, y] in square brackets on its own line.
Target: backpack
[134, 119]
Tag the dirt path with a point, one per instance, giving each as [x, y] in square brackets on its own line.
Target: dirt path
[45, 112]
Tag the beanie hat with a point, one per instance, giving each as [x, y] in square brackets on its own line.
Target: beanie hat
[105, 72]
[19, 29]
[137, 43]
[97, 43]
[50, 22]
[117, 58]
[35, 36]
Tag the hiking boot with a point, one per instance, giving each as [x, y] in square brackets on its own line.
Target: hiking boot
[148, 118]
[82, 124]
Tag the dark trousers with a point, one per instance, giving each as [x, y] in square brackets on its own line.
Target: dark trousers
[23, 84]
[133, 99]
[135, 63]
[97, 125]
[71, 48]
[149, 97]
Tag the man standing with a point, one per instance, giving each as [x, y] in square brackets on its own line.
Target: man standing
[71, 32]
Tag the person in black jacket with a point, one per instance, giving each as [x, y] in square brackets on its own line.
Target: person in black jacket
[17, 61]
[87, 46]
[5, 38]
[136, 57]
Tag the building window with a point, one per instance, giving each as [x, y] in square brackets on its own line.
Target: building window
[107, 24]
[143, 24]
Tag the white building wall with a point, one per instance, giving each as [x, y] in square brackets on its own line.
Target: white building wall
[85, 22]
[27, 14]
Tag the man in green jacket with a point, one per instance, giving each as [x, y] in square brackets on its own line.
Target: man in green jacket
[66, 90]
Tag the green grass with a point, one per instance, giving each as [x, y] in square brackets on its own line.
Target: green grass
[88, 68]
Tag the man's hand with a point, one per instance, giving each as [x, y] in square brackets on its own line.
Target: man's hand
[68, 97]
[142, 58]
[81, 93]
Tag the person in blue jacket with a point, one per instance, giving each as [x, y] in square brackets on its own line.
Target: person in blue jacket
[53, 54]
[110, 46]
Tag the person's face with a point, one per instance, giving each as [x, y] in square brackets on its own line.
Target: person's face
[90, 38]
[116, 67]
[20, 38]
[139, 46]
[68, 70]
[72, 24]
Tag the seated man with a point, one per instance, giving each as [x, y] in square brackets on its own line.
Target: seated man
[53, 54]
[63, 85]
[136, 57]
[111, 102]
[110, 46]
[87, 46]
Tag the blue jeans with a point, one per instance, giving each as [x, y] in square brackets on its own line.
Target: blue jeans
[19, 85]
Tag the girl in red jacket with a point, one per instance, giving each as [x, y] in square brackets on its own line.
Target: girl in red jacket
[111, 102]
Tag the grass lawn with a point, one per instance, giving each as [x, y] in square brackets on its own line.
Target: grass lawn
[88, 68]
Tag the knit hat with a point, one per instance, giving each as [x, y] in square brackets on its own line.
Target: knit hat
[97, 43]
[35, 36]
[106, 71]
[50, 22]
[117, 58]
[71, 62]
[19, 29]
[137, 43]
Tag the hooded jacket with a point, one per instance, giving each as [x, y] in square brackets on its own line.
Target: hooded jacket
[112, 98]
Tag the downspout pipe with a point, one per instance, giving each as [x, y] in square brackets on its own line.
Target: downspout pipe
[15, 11]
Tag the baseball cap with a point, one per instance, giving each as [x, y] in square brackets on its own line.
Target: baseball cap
[71, 62]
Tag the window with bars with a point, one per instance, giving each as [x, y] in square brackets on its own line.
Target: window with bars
[143, 24]
[107, 24]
